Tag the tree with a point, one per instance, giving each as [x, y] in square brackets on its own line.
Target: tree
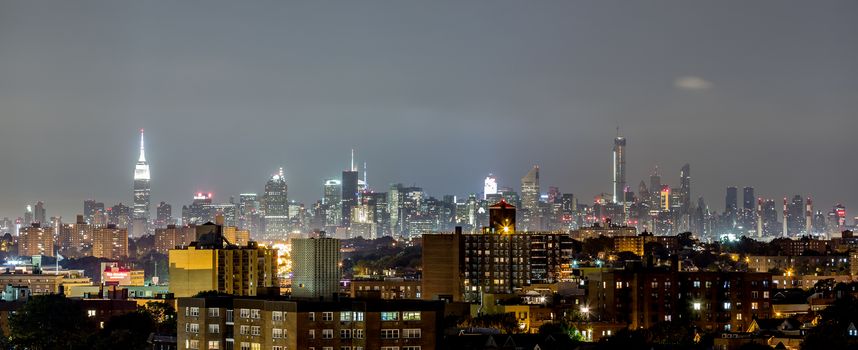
[128, 332]
[50, 322]
[164, 316]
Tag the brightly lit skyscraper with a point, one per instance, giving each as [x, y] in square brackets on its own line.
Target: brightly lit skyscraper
[276, 207]
[140, 213]
[490, 186]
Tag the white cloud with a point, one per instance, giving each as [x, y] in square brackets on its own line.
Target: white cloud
[691, 83]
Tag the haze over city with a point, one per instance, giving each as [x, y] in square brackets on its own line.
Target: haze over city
[433, 94]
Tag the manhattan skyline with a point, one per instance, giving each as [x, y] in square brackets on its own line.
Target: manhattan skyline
[440, 102]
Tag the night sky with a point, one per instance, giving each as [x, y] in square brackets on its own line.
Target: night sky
[433, 93]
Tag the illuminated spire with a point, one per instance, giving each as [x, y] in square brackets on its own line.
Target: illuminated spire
[352, 168]
[142, 153]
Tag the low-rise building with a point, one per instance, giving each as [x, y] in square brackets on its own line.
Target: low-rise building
[222, 322]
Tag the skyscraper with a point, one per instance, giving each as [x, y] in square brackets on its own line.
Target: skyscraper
[164, 215]
[315, 267]
[350, 192]
[619, 168]
[276, 206]
[39, 214]
[530, 200]
[490, 186]
[732, 200]
[140, 214]
[332, 202]
[748, 199]
[685, 189]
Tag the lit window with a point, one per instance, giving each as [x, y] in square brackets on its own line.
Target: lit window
[696, 306]
[277, 316]
[411, 316]
[327, 334]
[389, 316]
[345, 316]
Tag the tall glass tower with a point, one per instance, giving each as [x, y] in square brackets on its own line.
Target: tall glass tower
[275, 204]
[619, 168]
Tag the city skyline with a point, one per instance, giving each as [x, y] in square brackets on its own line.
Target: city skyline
[713, 202]
[436, 106]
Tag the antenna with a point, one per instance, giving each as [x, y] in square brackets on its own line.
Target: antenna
[352, 168]
[364, 175]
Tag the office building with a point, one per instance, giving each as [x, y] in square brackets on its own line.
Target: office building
[332, 202]
[164, 215]
[275, 206]
[530, 200]
[315, 267]
[349, 196]
[619, 171]
[140, 214]
[199, 212]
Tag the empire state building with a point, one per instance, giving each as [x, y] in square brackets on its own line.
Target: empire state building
[140, 214]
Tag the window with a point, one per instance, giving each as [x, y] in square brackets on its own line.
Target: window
[411, 333]
[311, 316]
[277, 333]
[254, 330]
[696, 284]
[213, 312]
[696, 306]
[345, 333]
[357, 333]
[255, 346]
[90, 313]
[195, 311]
[276, 347]
[192, 328]
[214, 345]
[755, 294]
[765, 295]
[727, 305]
[667, 318]
[193, 344]
[738, 317]
[358, 316]
[311, 334]
[244, 330]
[327, 334]
[389, 316]
[389, 348]
[245, 346]
[411, 316]
[277, 316]
[414, 347]
[345, 316]
[254, 313]
[214, 328]
[754, 305]
[244, 313]
[327, 316]
[345, 348]
[389, 334]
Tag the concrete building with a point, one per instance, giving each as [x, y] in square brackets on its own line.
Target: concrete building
[36, 240]
[210, 264]
[280, 324]
[315, 267]
[110, 242]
